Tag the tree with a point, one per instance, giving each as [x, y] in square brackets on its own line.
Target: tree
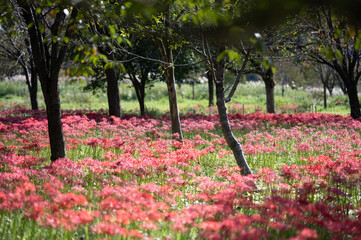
[266, 73]
[112, 84]
[166, 48]
[339, 81]
[330, 39]
[218, 66]
[15, 46]
[216, 62]
[210, 88]
[105, 47]
[142, 70]
[327, 79]
[50, 27]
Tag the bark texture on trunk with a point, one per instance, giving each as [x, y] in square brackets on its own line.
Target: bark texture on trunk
[170, 80]
[48, 57]
[324, 96]
[172, 96]
[139, 87]
[34, 89]
[270, 85]
[218, 78]
[32, 83]
[113, 93]
[53, 111]
[353, 98]
[210, 89]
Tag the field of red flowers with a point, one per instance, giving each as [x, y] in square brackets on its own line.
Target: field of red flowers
[127, 179]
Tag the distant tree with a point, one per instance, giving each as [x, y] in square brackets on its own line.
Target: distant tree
[261, 52]
[104, 30]
[339, 81]
[141, 68]
[15, 47]
[327, 79]
[330, 40]
[210, 88]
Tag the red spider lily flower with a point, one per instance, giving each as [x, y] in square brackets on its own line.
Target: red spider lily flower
[306, 234]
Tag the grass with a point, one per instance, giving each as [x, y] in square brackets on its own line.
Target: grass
[251, 95]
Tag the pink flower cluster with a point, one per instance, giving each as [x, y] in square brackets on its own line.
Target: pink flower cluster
[126, 177]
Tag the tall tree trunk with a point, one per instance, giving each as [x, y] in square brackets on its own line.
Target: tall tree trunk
[270, 85]
[324, 96]
[34, 89]
[139, 88]
[170, 80]
[53, 111]
[218, 78]
[142, 95]
[112, 86]
[210, 89]
[113, 93]
[142, 105]
[353, 98]
[172, 95]
[32, 83]
[48, 58]
[330, 91]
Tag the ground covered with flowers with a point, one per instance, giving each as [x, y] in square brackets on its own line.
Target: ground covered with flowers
[128, 179]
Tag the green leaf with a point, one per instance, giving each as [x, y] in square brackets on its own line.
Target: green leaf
[128, 42]
[41, 28]
[31, 25]
[108, 65]
[357, 44]
[338, 33]
[221, 56]
[111, 30]
[76, 57]
[338, 55]
[330, 55]
[232, 55]
[119, 40]
[266, 63]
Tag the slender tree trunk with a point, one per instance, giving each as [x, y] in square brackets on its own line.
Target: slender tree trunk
[353, 98]
[142, 106]
[193, 93]
[270, 85]
[172, 96]
[112, 86]
[53, 111]
[210, 89]
[270, 98]
[139, 91]
[223, 117]
[113, 93]
[170, 80]
[324, 96]
[330, 91]
[32, 83]
[34, 89]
